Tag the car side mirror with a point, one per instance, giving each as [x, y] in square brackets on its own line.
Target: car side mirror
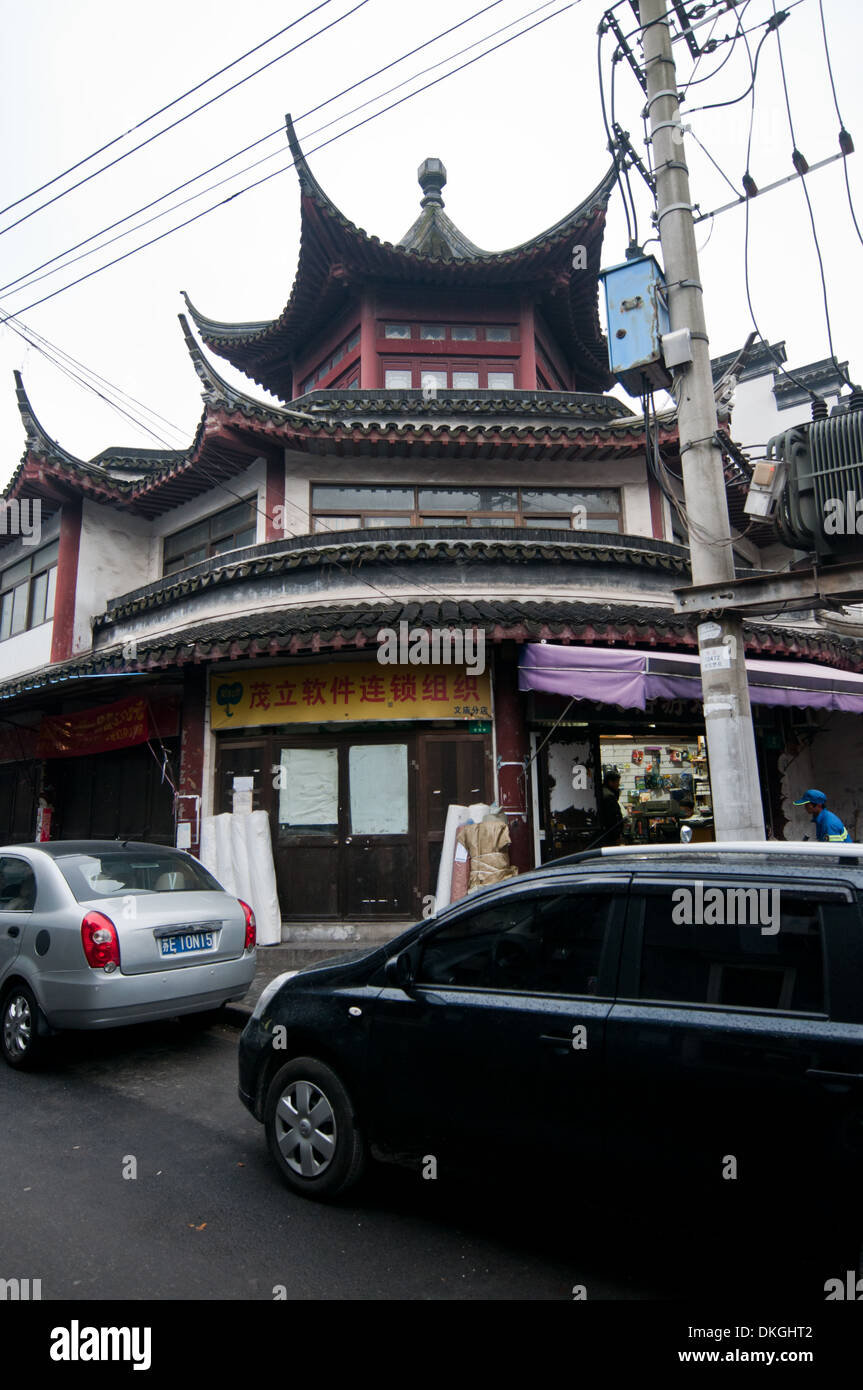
[399, 971]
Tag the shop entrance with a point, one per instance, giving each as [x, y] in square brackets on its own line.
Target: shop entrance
[356, 817]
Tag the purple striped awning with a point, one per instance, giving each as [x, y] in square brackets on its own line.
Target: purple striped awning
[630, 677]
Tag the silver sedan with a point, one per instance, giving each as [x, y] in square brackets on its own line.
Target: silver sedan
[97, 933]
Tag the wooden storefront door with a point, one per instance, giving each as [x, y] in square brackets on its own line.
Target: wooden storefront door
[357, 818]
[454, 768]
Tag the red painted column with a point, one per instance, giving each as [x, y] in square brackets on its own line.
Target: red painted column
[369, 365]
[513, 750]
[63, 630]
[188, 807]
[275, 496]
[656, 520]
[527, 333]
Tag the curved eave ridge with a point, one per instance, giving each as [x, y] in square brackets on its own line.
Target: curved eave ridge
[217, 391]
[331, 237]
[38, 441]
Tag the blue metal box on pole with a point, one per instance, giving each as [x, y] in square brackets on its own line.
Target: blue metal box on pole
[636, 309]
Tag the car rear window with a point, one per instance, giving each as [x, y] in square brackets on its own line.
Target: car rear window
[118, 873]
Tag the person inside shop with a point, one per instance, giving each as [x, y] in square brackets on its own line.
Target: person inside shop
[828, 827]
[686, 807]
[610, 814]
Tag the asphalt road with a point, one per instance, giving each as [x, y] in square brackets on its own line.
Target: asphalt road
[207, 1216]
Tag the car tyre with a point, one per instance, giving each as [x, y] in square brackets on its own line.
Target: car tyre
[312, 1130]
[20, 1018]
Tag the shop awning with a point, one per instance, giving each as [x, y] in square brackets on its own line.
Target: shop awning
[630, 677]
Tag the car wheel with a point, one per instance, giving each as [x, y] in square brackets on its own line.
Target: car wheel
[312, 1129]
[19, 1036]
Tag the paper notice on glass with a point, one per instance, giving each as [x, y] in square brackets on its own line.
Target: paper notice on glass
[309, 786]
[379, 789]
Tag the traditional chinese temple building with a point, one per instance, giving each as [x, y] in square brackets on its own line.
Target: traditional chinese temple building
[445, 460]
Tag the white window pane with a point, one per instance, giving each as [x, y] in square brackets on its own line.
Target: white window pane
[5, 617]
[52, 590]
[310, 796]
[37, 602]
[19, 608]
[391, 520]
[397, 381]
[435, 379]
[465, 380]
[498, 334]
[397, 330]
[501, 381]
[337, 523]
[433, 330]
[379, 788]
[464, 333]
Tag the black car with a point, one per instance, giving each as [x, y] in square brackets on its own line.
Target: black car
[690, 1011]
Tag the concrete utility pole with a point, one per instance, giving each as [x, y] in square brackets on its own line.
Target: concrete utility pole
[727, 712]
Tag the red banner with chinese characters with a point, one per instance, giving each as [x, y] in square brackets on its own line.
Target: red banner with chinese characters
[120, 725]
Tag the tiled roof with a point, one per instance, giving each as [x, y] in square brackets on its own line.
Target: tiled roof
[335, 254]
[342, 629]
[353, 549]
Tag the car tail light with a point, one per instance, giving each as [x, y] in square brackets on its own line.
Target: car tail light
[100, 942]
[250, 924]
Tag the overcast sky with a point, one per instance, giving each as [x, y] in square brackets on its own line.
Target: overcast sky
[520, 133]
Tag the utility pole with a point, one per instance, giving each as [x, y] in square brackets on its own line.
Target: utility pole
[727, 713]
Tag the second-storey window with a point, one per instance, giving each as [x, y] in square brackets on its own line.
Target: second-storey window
[227, 530]
[342, 508]
[27, 591]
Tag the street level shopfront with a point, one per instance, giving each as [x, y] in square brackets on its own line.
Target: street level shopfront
[355, 764]
[590, 709]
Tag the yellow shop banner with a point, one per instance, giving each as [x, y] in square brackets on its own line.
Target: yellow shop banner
[339, 693]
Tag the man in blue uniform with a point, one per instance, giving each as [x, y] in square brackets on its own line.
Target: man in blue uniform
[828, 827]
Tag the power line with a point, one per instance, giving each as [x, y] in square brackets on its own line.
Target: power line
[846, 144]
[180, 119]
[612, 144]
[29, 334]
[82, 381]
[160, 112]
[258, 182]
[801, 166]
[31, 277]
[784, 370]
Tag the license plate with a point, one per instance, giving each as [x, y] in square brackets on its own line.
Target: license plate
[188, 941]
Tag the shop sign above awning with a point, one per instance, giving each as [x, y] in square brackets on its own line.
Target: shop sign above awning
[337, 693]
[631, 677]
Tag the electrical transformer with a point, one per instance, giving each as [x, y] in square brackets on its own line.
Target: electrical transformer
[820, 507]
[636, 310]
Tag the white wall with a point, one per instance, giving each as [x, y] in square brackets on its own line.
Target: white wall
[831, 765]
[755, 418]
[114, 556]
[29, 651]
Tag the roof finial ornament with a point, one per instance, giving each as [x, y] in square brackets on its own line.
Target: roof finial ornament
[432, 177]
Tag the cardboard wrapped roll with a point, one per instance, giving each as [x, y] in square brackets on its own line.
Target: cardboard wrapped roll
[487, 844]
[460, 869]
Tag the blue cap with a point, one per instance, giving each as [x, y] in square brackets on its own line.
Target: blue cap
[818, 798]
